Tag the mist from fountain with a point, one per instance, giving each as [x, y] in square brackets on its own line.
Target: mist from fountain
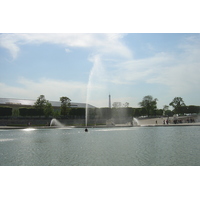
[86, 115]
[135, 122]
[94, 76]
[88, 96]
[55, 122]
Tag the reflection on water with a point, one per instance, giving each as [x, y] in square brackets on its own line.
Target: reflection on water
[101, 146]
[5, 139]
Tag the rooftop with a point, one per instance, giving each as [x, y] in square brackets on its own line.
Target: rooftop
[27, 102]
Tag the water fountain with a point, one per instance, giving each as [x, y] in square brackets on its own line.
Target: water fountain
[94, 70]
[95, 82]
[87, 100]
[55, 122]
[135, 122]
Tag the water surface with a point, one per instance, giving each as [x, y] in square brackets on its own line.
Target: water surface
[140, 146]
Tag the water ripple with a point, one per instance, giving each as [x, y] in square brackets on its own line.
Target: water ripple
[101, 147]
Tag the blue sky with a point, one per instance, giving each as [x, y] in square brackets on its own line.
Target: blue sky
[87, 67]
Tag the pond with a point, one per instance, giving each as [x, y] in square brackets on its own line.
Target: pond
[125, 146]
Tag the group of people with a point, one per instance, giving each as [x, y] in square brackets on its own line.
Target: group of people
[167, 121]
[178, 121]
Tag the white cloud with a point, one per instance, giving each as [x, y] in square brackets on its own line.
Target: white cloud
[142, 70]
[179, 71]
[52, 89]
[9, 42]
[101, 43]
[12, 91]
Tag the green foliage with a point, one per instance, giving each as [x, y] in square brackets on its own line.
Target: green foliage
[149, 104]
[48, 109]
[169, 113]
[129, 111]
[106, 113]
[117, 104]
[159, 112]
[56, 113]
[93, 113]
[5, 111]
[123, 112]
[40, 105]
[65, 105]
[178, 105]
[148, 107]
[136, 112]
[77, 112]
[24, 112]
[126, 105]
[193, 109]
[15, 112]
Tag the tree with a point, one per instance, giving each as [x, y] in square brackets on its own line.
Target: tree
[165, 107]
[23, 112]
[48, 109]
[169, 113]
[193, 109]
[28, 112]
[149, 104]
[56, 114]
[159, 112]
[15, 112]
[117, 104]
[5, 111]
[40, 105]
[106, 113]
[65, 105]
[77, 113]
[177, 104]
[136, 112]
[126, 105]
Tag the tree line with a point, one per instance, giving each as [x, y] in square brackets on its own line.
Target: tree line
[149, 104]
[148, 107]
[42, 107]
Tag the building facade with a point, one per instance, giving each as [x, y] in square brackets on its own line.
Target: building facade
[17, 103]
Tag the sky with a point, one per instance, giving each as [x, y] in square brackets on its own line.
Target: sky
[87, 67]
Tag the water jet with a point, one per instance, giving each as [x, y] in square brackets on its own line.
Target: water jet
[135, 122]
[55, 122]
